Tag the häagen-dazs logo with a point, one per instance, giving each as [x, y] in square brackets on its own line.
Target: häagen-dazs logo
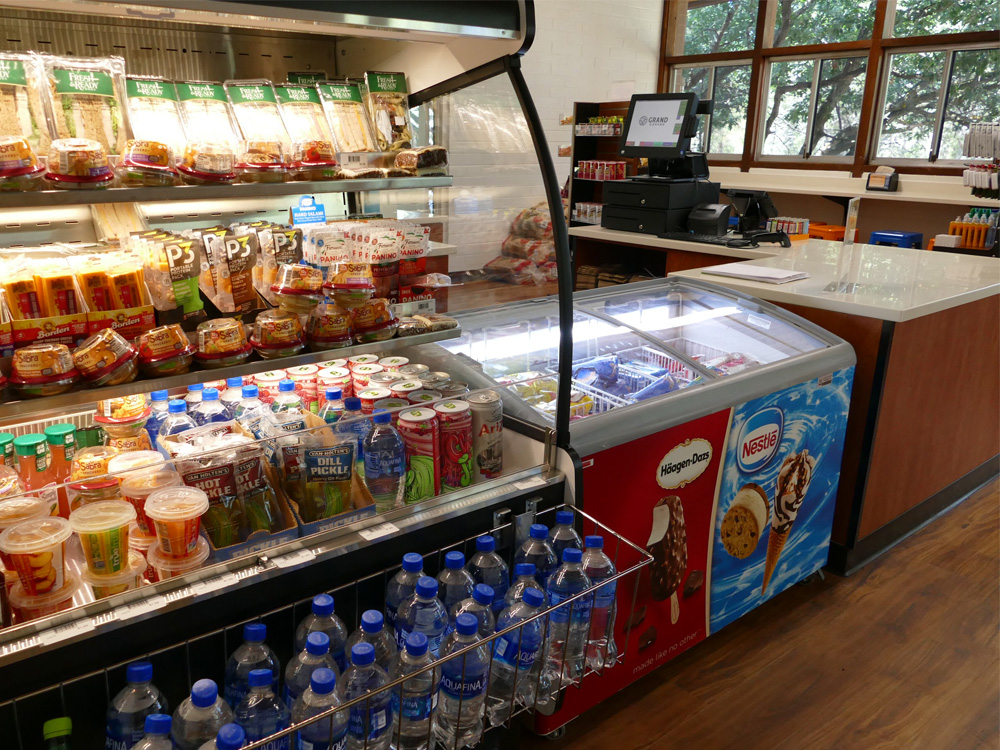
[684, 463]
[759, 439]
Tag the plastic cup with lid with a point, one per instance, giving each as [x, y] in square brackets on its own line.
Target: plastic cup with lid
[176, 514]
[13, 511]
[29, 607]
[103, 530]
[140, 485]
[168, 567]
[37, 551]
[109, 585]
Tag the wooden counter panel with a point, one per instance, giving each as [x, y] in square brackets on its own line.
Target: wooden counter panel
[685, 260]
[939, 413]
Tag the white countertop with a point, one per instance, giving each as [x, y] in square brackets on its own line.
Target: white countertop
[891, 283]
[651, 240]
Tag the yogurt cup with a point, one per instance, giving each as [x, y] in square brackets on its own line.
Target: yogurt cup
[37, 551]
[13, 511]
[168, 567]
[103, 530]
[33, 607]
[176, 515]
[139, 486]
[128, 579]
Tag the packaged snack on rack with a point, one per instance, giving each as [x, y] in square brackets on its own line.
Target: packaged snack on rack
[425, 161]
[234, 257]
[207, 116]
[326, 475]
[314, 160]
[410, 326]
[172, 266]
[262, 161]
[86, 99]
[122, 409]
[437, 321]
[207, 162]
[57, 292]
[298, 288]
[302, 113]
[373, 321]
[389, 110]
[329, 327]
[147, 164]
[348, 118]
[222, 342]
[20, 169]
[165, 350]
[106, 359]
[78, 164]
[154, 112]
[276, 334]
[22, 87]
[42, 370]
[351, 283]
[257, 113]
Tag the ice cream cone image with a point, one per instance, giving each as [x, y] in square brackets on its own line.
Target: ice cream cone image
[793, 482]
[668, 546]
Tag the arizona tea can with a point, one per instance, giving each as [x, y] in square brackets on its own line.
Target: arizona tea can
[421, 433]
[455, 418]
[487, 434]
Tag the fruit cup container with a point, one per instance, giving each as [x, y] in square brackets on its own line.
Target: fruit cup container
[140, 545]
[176, 515]
[30, 607]
[136, 490]
[103, 529]
[15, 510]
[36, 549]
[109, 585]
[168, 567]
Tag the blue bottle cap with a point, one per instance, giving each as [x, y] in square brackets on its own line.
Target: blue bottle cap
[412, 562]
[538, 531]
[454, 560]
[234, 382]
[323, 605]
[485, 543]
[249, 391]
[593, 542]
[333, 394]
[565, 517]
[254, 632]
[466, 624]
[195, 387]
[572, 555]
[318, 643]
[352, 404]
[427, 587]
[372, 621]
[204, 693]
[160, 396]
[323, 681]
[381, 416]
[362, 654]
[230, 737]
[534, 597]
[416, 644]
[261, 678]
[524, 569]
[176, 406]
[286, 385]
[157, 724]
[210, 394]
[139, 671]
[483, 593]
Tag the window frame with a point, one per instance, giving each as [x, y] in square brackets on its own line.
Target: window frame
[677, 71]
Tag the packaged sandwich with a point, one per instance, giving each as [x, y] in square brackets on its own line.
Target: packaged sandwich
[389, 110]
[206, 114]
[303, 113]
[255, 107]
[86, 97]
[22, 112]
[345, 111]
[154, 112]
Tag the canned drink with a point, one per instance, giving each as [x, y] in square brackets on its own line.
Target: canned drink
[392, 405]
[369, 396]
[306, 385]
[413, 372]
[403, 388]
[334, 377]
[392, 364]
[362, 359]
[455, 425]
[434, 379]
[487, 434]
[332, 363]
[424, 396]
[384, 379]
[421, 435]
[453, 389]
[361, 375]
[267, 384]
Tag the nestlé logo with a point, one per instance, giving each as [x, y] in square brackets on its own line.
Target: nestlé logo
[759, 439]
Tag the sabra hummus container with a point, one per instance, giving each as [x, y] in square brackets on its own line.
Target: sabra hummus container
[34, 607]
[88, 480]
[329, 327]
[277, 334]
[19, 167]
[106, 359]
[207, 163]
[42, 370]
[352, 284]
[262, 161]
[122, 409]
[78, 163]
[373, 321]
[129, 578]
[165, 350]
[221, 343]
[314, 160]
[146, 164]
[36, 550]
[299, 288]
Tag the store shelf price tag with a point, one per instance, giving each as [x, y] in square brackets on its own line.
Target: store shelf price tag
[294, 558]
[527, 484]
[135, 609]
[63, 632]
[214, 584]
[375, 532]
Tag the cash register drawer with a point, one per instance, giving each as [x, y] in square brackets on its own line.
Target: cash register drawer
[644, 220]
[659, 194]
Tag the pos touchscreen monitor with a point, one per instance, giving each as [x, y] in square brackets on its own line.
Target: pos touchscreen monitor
[659, 126]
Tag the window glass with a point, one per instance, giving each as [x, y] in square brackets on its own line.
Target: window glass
[714, 26]
[822, 21]
[732, 98]
[911, 103]
[696, 81]
[972, 97]
[787, 108]
[923, 17]
[838, 106]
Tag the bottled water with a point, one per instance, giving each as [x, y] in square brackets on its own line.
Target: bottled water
[370, 721]
[200, 716]
[320, 696]
[287, 399]
[251, 410]
[414, 701]
[372, 631]
[486, 566]
[157, 414]
[563, 535]
[537, 551]
[516, 658]
[480, 606]
[232, 395]
[423, 613]
[402, 585]
[229, 737]
[454, 582]
[463, 686]
[129, 709]
[524, 579]
[601, 649]
[298, 673]
[157, 734]
[262, 713]
[177, 420]
[353, 423]
[385, 462]
[252, 654]
[569, 624]
[193, 397]
[323, 619]
[210, 409]
[332, 407]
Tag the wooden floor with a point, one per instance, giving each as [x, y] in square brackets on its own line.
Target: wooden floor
[903, 654]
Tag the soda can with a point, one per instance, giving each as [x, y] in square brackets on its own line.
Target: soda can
[424, 397]
[267, 384]
[487, 434]
[362, 359]
[413, 372]
[361, 374]
[455, 424]
[393, 405]
[369, 396]
[384, 379]
[403, 388]
[453, 389]
[392, 364]
[421, 435]
[332, 363]
[333, 377]
[433, 379]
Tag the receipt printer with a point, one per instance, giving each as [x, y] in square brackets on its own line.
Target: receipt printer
[709, 218]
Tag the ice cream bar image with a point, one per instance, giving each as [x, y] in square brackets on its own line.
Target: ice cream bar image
[668, 546]
[793, 483]
[745, 521]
